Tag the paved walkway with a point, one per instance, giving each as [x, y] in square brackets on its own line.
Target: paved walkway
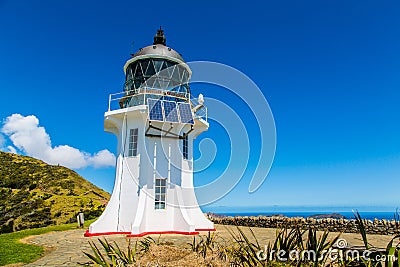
[65, 248]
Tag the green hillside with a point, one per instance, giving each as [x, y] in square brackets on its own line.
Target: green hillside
[35, 194]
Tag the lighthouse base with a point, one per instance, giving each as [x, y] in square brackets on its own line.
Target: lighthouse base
[181, 216]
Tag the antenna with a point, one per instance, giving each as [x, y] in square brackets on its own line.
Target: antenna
[132, 48]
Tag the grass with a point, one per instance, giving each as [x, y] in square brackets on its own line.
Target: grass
[13, 251]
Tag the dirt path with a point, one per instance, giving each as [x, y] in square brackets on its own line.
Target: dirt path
[65, 248]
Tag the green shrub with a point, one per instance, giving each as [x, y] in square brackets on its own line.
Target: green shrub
[110, 255]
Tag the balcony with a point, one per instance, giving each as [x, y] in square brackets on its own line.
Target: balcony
[139, 96]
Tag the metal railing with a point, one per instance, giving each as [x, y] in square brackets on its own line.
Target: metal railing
[199, 110]
[118, 100]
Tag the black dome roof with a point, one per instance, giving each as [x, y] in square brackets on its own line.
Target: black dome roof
[159, 48]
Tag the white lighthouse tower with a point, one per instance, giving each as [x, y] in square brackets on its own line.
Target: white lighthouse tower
[155, 120]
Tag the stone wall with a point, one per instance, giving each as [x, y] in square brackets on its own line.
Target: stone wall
[382, 227]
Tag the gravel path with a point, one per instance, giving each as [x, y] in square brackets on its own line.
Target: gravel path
[65, 248]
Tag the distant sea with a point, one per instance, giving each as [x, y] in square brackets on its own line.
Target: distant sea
[369, 215]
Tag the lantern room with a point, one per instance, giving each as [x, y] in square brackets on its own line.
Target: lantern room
[157, 72]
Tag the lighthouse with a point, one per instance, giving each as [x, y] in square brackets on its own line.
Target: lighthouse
[155, 119]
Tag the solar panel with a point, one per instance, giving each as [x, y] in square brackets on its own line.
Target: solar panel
[185, 112]
[171, 112]
[155, 110]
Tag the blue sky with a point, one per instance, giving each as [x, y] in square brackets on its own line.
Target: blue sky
[329, 70]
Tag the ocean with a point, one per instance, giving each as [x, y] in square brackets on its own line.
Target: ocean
[369, 215]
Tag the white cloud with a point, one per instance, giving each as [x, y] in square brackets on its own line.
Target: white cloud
[2, 142]
[32, 139]
[102, 158]
[11, 149]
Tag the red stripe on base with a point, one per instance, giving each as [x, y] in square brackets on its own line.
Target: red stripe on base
[87, 234]
[163, 233]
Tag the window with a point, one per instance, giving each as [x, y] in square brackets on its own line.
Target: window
[185, 147]
[133, 139]
[160, 188]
